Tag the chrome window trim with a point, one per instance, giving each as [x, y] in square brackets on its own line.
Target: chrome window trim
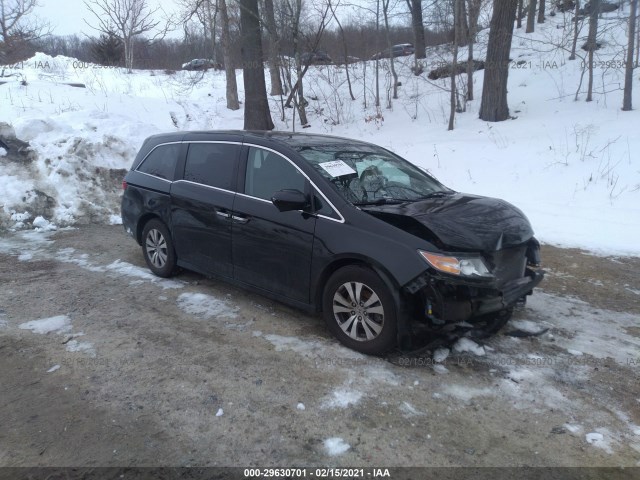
[333, 207]
[206, 186]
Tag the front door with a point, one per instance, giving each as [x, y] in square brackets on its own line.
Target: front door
[272, 249]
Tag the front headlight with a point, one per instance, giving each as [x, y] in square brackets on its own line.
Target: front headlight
[467, 266]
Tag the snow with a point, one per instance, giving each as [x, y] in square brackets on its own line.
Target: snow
[569, 165]
[57, 324]
[342, 398]
[466, 392]
[440, 355]
[220, 412]
[206, 306]
[40, 223]
[468, 345]
[573, 428]
[53, 369]
[300, 406]
[599, 440]
[409, 410]
[83, 347]
[336, 446]
[594, 332]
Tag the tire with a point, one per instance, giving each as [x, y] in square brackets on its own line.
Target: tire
[157, 249]
[350, 297]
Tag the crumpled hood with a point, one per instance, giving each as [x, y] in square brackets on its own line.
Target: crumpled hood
[462, 221]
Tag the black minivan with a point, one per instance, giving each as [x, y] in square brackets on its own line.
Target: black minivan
[334, 225]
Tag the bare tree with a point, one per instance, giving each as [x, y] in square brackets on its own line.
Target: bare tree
[473, 11]
[257, 115]
[417, 24]
[274, 48]
[576, 30]
[494, 106]
[541, 11]
[344, 48]
[394, 74]
[531, 17]
[628, 72]
[128, 19]
[519, 14]
[229, 68]
[454, 65]
[18, 27]
[592, 45]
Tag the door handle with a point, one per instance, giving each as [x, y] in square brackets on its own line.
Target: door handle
[224, 214]
[239, 219]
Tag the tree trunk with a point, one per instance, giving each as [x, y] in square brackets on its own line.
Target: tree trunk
[417, 24]
[256, 106]
[575, 32]
[494, 106]
[591, 42]
[212, 17]
[462, 24]
[473, 10]
[541, 11]
[377, 60]
[345, 52]
[229, 68]
[454, 64]
[299, 100]
[394, 74]
[531, 17]
[519, 14]
[628, 72]
[274, 49]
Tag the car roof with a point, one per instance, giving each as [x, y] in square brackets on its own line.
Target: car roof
[290, 139]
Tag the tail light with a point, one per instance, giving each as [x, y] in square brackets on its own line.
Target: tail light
[124, 185]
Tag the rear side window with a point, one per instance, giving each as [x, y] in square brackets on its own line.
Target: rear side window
[212, 164]
[161, 162]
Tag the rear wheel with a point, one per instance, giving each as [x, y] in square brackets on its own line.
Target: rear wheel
[157, 248]
[360, 310]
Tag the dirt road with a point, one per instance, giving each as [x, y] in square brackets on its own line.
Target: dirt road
[130, 369]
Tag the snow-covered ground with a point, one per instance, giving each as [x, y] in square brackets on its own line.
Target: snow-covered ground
[571, 166]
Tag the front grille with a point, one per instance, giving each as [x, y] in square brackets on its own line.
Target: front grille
[508, 264]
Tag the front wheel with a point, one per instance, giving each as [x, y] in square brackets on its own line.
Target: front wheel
[360, 310]
[157, 248]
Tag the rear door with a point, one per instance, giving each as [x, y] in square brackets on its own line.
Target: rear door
[202, 201]
[271, 249]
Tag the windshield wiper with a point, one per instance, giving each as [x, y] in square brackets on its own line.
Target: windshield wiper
[440, 193]
[382, 201]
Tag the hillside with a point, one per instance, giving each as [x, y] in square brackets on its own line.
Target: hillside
[571, 166]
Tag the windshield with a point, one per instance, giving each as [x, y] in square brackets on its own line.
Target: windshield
[365, 175]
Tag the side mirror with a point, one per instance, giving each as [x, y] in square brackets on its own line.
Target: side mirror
[288, 200]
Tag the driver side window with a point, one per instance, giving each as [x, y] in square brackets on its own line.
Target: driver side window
[268, 172]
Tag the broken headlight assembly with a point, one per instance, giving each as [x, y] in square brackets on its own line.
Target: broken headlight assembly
[464, 266]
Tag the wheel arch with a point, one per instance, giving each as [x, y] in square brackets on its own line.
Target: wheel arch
[345, 261]
[144, 219]
[404, 330]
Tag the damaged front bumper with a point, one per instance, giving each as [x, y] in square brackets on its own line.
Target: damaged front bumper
[443, 300]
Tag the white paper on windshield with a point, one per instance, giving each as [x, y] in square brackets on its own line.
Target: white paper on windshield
[337, 168]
